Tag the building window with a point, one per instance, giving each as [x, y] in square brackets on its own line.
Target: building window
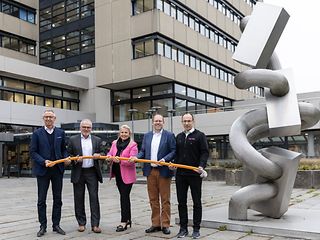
[141, 92]
[17, 43]
[165, 105]
[68, 45]
[193, 20]
[120, 112]
[143, 49]
[121, 95]
[180, 106]
[37, 94]
[162, 89]
[18, 10]
[175, 52]
[142, 108]
[65, 12]
[163, 95]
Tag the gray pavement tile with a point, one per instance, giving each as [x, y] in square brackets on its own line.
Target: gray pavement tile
[18, 219]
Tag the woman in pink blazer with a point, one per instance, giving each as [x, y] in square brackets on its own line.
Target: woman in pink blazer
[124, 171]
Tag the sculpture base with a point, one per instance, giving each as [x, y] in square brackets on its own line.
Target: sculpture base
[298, 222]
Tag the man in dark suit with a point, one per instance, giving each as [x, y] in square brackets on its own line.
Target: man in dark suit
[48, 144]
[86, 172]
[159, 145]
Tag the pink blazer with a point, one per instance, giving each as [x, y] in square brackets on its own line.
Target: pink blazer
[127, 169]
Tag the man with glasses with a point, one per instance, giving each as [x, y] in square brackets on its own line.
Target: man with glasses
[48, 144]
[86, 172]
[192, 149]
[158, 145]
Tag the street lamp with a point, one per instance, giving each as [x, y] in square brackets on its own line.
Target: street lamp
[132, 111]
[156, 108]
[171, 111]
[149, 114]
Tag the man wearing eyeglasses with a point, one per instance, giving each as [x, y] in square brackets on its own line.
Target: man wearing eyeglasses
[192, 149]
[48, 144]
[86, 172]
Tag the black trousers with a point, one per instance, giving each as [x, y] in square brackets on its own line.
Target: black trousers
[54, 176]
[124, 190]
[88, 178]
[182, 185]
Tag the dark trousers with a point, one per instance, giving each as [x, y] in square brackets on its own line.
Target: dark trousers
[124, 190]
[88, 177]
[182, 185]
[43, 182]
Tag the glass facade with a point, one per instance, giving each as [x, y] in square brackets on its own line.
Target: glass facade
[67, 45]
[18, 10]
[165, 47]
[64, 12]
[193, 20]
[15, 90]
[17, 43]
[67, 40]
[167, 96]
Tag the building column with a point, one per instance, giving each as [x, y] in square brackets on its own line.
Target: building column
[311, 145]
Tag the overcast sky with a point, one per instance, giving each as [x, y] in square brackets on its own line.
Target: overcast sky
[299, 45]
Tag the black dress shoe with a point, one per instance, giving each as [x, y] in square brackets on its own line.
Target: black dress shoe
[153, 229]
[41, 232]
[59, 230]
[166, 230]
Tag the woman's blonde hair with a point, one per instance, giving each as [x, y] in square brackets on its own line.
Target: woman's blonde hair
[128, 128]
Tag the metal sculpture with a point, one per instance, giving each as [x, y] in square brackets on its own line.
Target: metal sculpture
[269, 173]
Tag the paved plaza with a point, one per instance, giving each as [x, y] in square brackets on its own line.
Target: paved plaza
[18, 215]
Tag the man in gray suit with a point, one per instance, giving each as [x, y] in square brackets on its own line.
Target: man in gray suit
[86, 172]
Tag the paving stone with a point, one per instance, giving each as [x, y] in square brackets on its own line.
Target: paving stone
[18, 208]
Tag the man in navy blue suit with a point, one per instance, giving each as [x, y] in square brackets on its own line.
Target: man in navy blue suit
[159, 145]
[48, 144]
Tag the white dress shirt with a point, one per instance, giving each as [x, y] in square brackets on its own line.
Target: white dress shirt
[86, 145]
[49, 130]
[155, 147]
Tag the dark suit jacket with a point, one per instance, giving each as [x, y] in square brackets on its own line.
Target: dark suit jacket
[75, 149]
[167, 150]
[40, 150]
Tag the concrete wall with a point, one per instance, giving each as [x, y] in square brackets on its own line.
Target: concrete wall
[25, 114]
[21, 28]
[32, 72]
[95, 100]
[114, 64]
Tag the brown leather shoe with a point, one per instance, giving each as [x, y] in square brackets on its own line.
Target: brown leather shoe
[96, 229]
[81, 228]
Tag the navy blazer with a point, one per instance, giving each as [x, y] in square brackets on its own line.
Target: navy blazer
[167, 151]
[40, 150]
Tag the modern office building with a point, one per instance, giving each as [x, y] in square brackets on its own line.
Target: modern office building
[115, 61]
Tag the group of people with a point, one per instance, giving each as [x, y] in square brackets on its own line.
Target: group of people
[189, 148]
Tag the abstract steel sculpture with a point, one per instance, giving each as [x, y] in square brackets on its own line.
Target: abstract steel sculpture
[269, 173]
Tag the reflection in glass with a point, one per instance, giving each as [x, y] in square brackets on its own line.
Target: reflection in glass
[30, 99]
[19, 97]
[165, 105]
[161, 89]
[142, 107]
[180, 106]
[140, 92]
[120, 112]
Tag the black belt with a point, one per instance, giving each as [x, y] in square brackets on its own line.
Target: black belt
[88, 169]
